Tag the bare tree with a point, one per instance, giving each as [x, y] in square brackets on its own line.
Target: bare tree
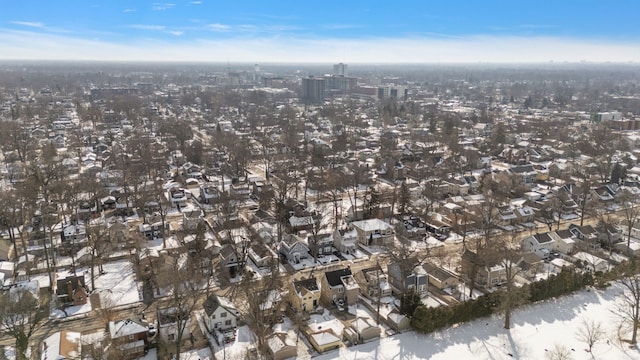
[106, 312]
[630, 215]
[21, 314]
[559, 352]
[509, 253]
[628, 308]
[316, 232]
[184, 289]
[97, 236]
[590, 332]
[262, 299]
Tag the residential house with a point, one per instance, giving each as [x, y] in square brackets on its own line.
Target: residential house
[373, 282]
[540, 244]
[191, 218]
[209, 193]
[304, 294]
[281, 346]
[362, 330]
[293, 248]
[233, 259]
[403, 277]
[61, 345]
[524, 174]
[262, 189]
[506, 218]
[592, 262]
[178, 197]
[633, 248]
[71, 290]
[261, 255]
[325, 340]
[374, 232]
[73, 234]
[151, 231]
[339, 285]
[586, 234]
[440, 278]
[128, 337]
[482, 270]
[604, 194]
[609, 233]
[565, 241]
[320, 244]
[398, 322]
[7, 269]
[525, 214]
[221, 314]
[240, 190]
[530, 264]
[264, 231]
[301, 223]
[345, 240]
[168, 321]
[270, 306]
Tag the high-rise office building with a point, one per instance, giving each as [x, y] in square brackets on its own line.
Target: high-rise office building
[340, 69]
[313, 90]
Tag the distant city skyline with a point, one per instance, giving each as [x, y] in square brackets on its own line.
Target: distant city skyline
[321, 32]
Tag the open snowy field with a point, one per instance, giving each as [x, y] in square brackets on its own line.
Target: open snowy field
[536, 330]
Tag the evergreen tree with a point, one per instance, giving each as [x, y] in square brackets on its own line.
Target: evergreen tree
[409, 302]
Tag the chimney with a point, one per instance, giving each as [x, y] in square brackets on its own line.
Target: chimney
[69, 290]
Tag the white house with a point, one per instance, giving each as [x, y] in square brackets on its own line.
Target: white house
[592, 262]
[373, 232]
[345, 241]
[168, 320]
[221, 314]
[540, 244]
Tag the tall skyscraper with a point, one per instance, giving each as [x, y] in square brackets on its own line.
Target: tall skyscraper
[313, 90]
[340, 69]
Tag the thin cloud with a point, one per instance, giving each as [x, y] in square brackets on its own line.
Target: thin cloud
[32, 24]
[39, 25]
[196, 3]
[536, 26]
[147, 27]
[162, 6]
[341, 26]
[218, 27]
[128, 10]
[175, 32]
[472, 49]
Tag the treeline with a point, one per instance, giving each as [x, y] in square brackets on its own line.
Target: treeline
[425, 319]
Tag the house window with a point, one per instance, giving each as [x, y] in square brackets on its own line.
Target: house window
[340, 289]
[131, 337]
[227, 323]
[224, 314]
[171, 337]
[213, 316]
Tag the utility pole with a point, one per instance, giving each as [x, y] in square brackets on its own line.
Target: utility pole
[379, 291]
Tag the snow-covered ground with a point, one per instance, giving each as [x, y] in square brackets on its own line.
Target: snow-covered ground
[199, 354]
[119, 281]
[536, 330]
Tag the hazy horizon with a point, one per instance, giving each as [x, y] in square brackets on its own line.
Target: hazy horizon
[411, 32]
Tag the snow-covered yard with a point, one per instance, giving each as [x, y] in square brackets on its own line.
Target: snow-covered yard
[119, 281]
[536, 330]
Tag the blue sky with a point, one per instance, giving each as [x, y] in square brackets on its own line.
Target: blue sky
[322, 31]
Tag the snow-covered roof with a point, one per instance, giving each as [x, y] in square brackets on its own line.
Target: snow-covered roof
[125, 328]
[61, 345]
[371, 225]
[278, 341]
[325, 337]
